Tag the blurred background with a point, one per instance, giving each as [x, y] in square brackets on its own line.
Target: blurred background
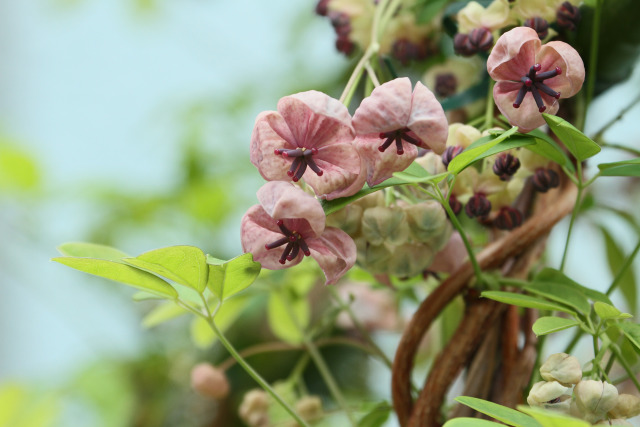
[127, 123]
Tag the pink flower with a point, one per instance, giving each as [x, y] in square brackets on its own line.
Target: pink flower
[521, 66]
[394, 115]
[290, 218]
[310, 136]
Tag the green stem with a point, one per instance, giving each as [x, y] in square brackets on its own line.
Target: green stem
[621, 147]
[488, 114]
[574, 214]
[624, 269]
[607, 369]
[593, 57]
[625, 365]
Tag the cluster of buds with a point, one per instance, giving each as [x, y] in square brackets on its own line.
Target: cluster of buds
[478, 27]
[594, 401]
[403, 38]
[254, 410]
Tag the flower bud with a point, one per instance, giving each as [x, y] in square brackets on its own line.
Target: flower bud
[410, 259]
[446, 85]
[550, 395]
[309, 408]
[450, 153]
[455, 204]
[545, 179]
[627, 406]
[321, 7]
[478, 205]
[462, 46]
[594, 399]
[208, 381]
[563, 368]
[385, 225]
[568, 16]
[254, 409]
[505, 166]
[481, 39]
[428, 224]
[540, 25]
[508, 218]
[405, 51]
[348, 219]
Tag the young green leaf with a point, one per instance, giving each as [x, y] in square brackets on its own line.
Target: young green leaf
[545, 146]
[548, 324]
[561, 293]
[91, 250]
[549, 418]
[552, 275]
[608, 312]
[288, 316]
[578, 144]
[526, 301]
[622, 168]
[501, 413]
[616, 259]
[162, 313]
[473, 153]
[376, 416]
[121, 273]
[632, 332]
[186, 265]
[233, 276]
[470, 422]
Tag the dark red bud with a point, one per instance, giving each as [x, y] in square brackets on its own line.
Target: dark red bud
[508, 218]
[455, 204]
[481, 38]
[321, 7]
[461, 45]
[545, 179]
[540, 25]
[446, 85]
[505, 166]
[450, 153]
[344, 45]
[568, 16]
[478, 206]
[406, 51]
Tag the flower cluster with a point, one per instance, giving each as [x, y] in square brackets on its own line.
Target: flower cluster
[591, 400]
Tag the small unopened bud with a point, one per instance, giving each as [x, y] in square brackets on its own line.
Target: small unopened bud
[594, 399]
[461, 45]
[309, 408]
[341, 23]
[508, 218]
[540, 25]
[481, 39]
[478, 205]
[344, 45]
[446, 85]
[627, 406]
[505, 166]
[381, 224]
[209, 381]
[545, 179]
[347, 219]
[428, 224]
[450, 153]
[405, 51]
[563, 368]
[254, 409]
[550, 395]
[321, 7]
[455, 204]
[568, 16]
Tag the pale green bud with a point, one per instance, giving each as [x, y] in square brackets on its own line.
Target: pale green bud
[627, 406]
[594, 399]
[410, 259]
[550, 395]
[428, 224]
[562, 368]
[385, 225]
[254, 409]
[347, 219]
[309, 408]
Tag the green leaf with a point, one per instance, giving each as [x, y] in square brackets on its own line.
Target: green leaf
[578, 144]
[408, 178]
[470, 422]
[233, 276]
[621, 168]
[545, 146]
[616, 259]
[427, 10]
[288, 316]
[91, 250]
[561, 293]
[501, 413]
[632, 332]
[525, 301]
[552, 275]
[121, 273]
[549, 418]
[377, 416]
[186, 265]
[548, 324]
[162, 313]
[607, 312]
[475, 152]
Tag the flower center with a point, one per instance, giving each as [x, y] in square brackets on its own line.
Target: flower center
[398, 136]
[533, 82]
[292, 239]
[302, 157]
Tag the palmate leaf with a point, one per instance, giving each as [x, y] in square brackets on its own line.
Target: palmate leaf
[226, 280]
[526, 301]
[501, 413]
[609, 312]
[580, 145]
[548, 324]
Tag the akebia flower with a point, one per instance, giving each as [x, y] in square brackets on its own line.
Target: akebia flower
[531, 78]
[289, 224]
[393, 123]
[310, 137]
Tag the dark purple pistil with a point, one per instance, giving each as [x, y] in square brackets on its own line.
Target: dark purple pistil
[302, 157]
[533, 82]
[398, 136]
[294, 241]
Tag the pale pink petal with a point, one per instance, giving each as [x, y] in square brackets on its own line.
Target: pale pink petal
[381, 166]
[334, 251]
[427, 119]
[315, 119]
[387, 109]
[284, 200]
[258, 229]
[514, 54]
[340, 164]
[270, 132]
[527, 117]
[560, 54]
